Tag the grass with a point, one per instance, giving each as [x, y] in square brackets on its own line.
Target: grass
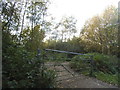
[109, 78]
[105, 77]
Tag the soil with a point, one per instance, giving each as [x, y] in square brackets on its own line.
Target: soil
[68, 78]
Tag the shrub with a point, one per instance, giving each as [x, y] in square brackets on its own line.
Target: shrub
[103, 63]
[53, 56]
[80, 63]
[106, 64]
[21, 69]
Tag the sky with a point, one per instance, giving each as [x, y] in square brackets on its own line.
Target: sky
[82, 10]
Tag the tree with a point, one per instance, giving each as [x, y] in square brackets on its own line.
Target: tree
[66, 27]
[10, 16]
[20, 68]
[10, 23]
[101, 31]
[91, 34]
[110, 18]
[33, 39]
[23, 17]
[36, 12]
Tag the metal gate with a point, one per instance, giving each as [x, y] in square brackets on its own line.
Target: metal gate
[61, 67]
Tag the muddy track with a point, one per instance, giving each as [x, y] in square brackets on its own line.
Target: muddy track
[67, 78]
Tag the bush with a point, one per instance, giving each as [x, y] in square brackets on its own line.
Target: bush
[21, 69]
[105, 67]
[53, 56]
[81, 63]
[103, 63]
[106, 64]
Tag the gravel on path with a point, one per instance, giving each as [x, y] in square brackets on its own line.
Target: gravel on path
[65, 79]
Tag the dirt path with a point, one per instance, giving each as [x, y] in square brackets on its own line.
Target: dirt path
[67, 78]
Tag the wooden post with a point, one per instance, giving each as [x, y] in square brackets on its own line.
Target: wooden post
[41, 61]
[38, 54]
[92, 63]
[119, 29]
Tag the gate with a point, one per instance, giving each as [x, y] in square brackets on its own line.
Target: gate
[61, 67]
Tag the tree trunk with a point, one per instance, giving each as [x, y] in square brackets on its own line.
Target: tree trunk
[23, 19]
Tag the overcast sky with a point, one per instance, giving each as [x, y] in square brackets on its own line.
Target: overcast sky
[80, 9]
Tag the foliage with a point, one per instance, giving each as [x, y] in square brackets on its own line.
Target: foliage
[100, 32]
[105, 67]
[64, 29]
[20, 66]
[74, 45]
[81, 63]
[105, 63]
[36, 12]
[113, 79]
[24, 71]
[53, 56]
[33, 39]
[10, 16]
